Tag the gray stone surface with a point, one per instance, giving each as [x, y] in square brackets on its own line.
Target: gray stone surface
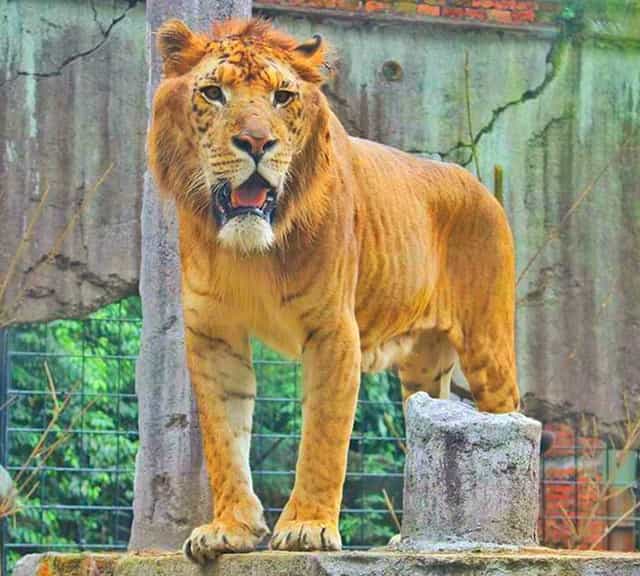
[471, 478]
[71, 105]
[526, 563]
[171, 489]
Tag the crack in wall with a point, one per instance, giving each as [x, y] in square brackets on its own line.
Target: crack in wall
[95, 17]
[442, 154]
[551, 123]
[553, 65]
[552, 62]
[105, 32]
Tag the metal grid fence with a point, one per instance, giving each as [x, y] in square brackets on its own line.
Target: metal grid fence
[80, 496]
[70, 415]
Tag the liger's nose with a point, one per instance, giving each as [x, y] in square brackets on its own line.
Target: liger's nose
[254, 142]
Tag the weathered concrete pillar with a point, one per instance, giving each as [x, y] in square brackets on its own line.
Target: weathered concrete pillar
[171, 489]
[471, 478]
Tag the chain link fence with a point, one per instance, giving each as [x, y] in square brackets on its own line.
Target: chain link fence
[68, 436]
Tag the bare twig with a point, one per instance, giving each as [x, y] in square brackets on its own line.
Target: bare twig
[52, 387]
[389, 503]
[44, 454]
[498, 183]
[555, 232]
[43, 437]
[24, 242]
[391, 425]
[467, 97]
[604, 492]
[613, 526]
[8, 403]
[55, 249]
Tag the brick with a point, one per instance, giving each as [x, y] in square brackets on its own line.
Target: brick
[523, 16]
[502, 16]
[428, 10]
[475, 13]
[506, 4]
[526, 6]
[564, 439]
[450, 12]
[310, 3]
[483, 4]
[371, 6]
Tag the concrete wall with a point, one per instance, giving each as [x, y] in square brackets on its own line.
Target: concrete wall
[552, 110]
[72, 103]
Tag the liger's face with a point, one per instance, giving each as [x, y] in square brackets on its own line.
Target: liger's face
[234, 111]
[248, 113]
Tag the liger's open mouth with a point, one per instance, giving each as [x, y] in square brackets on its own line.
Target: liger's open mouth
[254, 196]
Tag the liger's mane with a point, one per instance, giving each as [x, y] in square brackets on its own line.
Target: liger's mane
[260, 33]
[257, 30]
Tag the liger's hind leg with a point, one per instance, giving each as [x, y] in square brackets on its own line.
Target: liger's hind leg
[487, 359]
[491, 374]
[429, 367]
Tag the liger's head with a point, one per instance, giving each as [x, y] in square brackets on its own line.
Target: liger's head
[233, 113]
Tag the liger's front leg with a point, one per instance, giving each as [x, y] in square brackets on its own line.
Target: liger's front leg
[331, 366]
[223, 380]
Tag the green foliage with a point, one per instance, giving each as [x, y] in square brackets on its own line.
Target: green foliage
[85, 489]
[92, 362]
[568, 13]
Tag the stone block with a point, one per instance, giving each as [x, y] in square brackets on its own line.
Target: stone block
[471, 478]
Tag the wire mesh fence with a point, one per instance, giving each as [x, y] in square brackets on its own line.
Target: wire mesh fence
[68, 435]
[70, 431]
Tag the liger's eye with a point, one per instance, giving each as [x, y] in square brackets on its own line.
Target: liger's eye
[213, 94]
[282, 97]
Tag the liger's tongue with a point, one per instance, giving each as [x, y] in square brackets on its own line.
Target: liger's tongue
[251, 194]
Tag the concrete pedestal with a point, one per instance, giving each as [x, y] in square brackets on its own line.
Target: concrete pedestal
[471, 478]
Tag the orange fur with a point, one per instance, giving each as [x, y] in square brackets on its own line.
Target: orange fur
[378, 259]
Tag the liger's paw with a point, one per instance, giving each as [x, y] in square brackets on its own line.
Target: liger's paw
[210, 540]
[306, 535]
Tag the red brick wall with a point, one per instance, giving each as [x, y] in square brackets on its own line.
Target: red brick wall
[496, 11]
[574, 492]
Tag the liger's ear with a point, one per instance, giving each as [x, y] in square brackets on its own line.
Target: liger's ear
[179, 47]
[310, 47]
[311, 59]
[312, 55]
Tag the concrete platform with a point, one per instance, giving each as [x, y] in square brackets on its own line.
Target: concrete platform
[533, 562]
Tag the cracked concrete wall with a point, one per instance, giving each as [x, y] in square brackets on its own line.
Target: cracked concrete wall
[551, 111]
[72, 104]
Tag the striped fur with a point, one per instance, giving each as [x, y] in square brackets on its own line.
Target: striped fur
[378, 259]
